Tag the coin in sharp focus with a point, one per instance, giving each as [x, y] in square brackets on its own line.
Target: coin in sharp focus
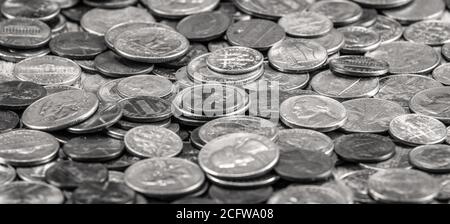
[240, 196]
[106, 116]
[175, 9]
[359, 40]
[70, 175]
[146, 109]
[357, 181]
[17, 55]
[110, 4]
[144, 85]
[113, 32]
[93, 148]
[7, 174]
[332, 41]
[364, 148]
[403, 186]
[235, 60]
[368, 18]
[307, 195]
[103, 193]
[112, 65]
[433, 102]
[121, 163]
[297, 55]
[8, 120]
[304, 139]
[27, 147]
[30, 193]
[433, 33]
[341, 13]
[164, 177]
[60, 110]
[99, 21]
[359, 66]
[414, 129]
[77, 45]
[306, 24]
[17, 95]
[370, 115]
[204, 26]
[442, 74]
[37, 9]
[34, 173]
[22, 33]
[417, 11]
[255, 33]
[431, 158]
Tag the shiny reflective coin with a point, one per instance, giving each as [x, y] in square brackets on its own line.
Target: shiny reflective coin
[30, 193]
[35, 173]
[359, 66]
[306, 24]
[433, 102]
[17, 55]
[241, 196]
[77, 45]
[431, 158]
[105, 117]
[151, 141]
[255, 33]
[358, 182]
[22, 33]
[262, 181]
[304, 139]
[235, 60]
[446, 51]
[416, 11]
[164, 177]
[341, 13]
[121, 163]
[36, 9]
[307, 195]
[388, 29]
[108, 92]
[87, 65]
[368, 18]
[195, 139]
[313, 112]
[110, 64]
[177, 9]
[7, 174]
[239, 156]
[364, 148]
[110, 4]
[204, 26]
[146, 109]
[93, 148]
[403, 186]
[359, 40]
[27, 148]
[442, 74]
[16, 95]
[116, 132]
[195, 50]
[103, 193]
[113, 32]
[70, 175]
[60, 110]
[382, 4]
[433, 33]
[272, 9]
[144, 85]
[370, 115]
[8, 120]
[58, 25]
[415, 129]
[332, 41]
[297, 56]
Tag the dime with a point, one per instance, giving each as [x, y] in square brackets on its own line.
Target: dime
[16, 95]
[403, 186]
[113, 32]
[235, 60]
[313, 112]
[178, 9]
[144, 85]
[35, 173]
[413, 129]
[306, 24]
[22, 33]
[359, 40]
[241, 196]
[93, 148]
[110, 64]
[37, 9]
[103, 193]
[332, 41]
[7, 174]
[204, 26]
[255, 33]
[164, 177]
[151, 141]
[297, 56]
[70, 175]
[358, 182]
[239, 156]
[431, 158]
[195, 50]
[110, 4]
[27, 147]
[105, 117]
[382, 4]
[433, 33]
[30, 193]
[307, 195]
[60, 110]
[8, 120]
[442, 74]
[17, 55]
[77, 45]
[359, 66]
[388, 29]
[121, 163]
[341, 13]
[271, 9]
[262, 181]
[146, 109]
[416, 11]
[433, 102]
[364, 148]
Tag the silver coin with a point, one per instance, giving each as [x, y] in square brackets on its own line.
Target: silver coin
[304, 139]
[87, 65]
[448, 136]
[413, 129]
[30, 193]
[306, 24]
[59, 88]
[128, 125]
[388, 29]
[399, 161]
[442, 74]
[332, 41]
[103, 193]
[35, 173]
[116, 176]
[9, 120]
[64, 4]
[91, 83]
[18, 95]
[364, 148]
[113, 32]
[105, 117]
[431, 158]
[235, 60]
[39, 9]
[112, 65]
[307, 195]
[110, 4]
[69, 175]
[108, 92]
[146, 109]
[382, 4]
[445, 51]
[433, 33]
[22, 33]
[240, 196]
[433, 102]
[368, 18]
[341, 13]
[204, 26]
[195, 50]
[177, 9]
[357, 181]
[93, 148]
[262, 181]
[359, 66]
[17, 55]
[217, 44]
[271, 9]
[416, 11]
[77, 45]
[7, 174]
[144, 85]
[359, 40]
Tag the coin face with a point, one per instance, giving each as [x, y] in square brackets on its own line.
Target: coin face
[241, 196]
[60, 110]
[27, 147]
[8, 120]
[306, 24]
[307, 195]
[304, 139]
[204, 26]
[144, 85]
[332, 41]
[113, 32]
[30, 193]
[415, 129]
[364, 148]
[173, 9]
[442, 75]
[271, 9]
[70, 175]
[341, 13]
[403, 186]
[235, 60]
[433, 33]
[93, 148]
[77, 45]
[7, 174]
[382, 4]
[22, 33]
[112, 65]
[359, 39]
[105, 117]
[296, 56]
[388, 29]
[41, 9]
[433, 102]
[16, 95]
[416, 11]
[34, 173]
[359, 66]
[161, 177]
[146, 109]
[431, 158]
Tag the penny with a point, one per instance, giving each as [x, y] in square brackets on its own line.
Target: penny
[105, 117]
[255, 33]
[9, 120]
[239, 156]
[7, 174]
[241, 196]
[173, 9]
[77, 45]
[359, 40]
[146, 109]
[297, 56]
[151, 141]
[263, 181]
[313, 112]
[433, 33]
[368, 18]
[93, 148]
[30, 193]
[103, 193]
[442, 74]
[304, 139]
[164, 177]
[382, 4]
[344, 87]
[359, 66]
[413, 129]
[357, 181]
[70, 175]
[307, 195]
[204, 26]
[431, 158]
[27, 147]
[388, 29]
[110, 4]
[271, 9]
[35, 173]
[416, 11]
[17, 55]
[235, 60]
[16, 95]
[40, 9]
[22, 33]
[332, 41]
[195, 50]
[341, 13]
[75, 13]
[48, 70]
[144, 85]
[433, 102]
[60, 110]
[121, 163]
[364, 148]
[403, 186]
[306, 24]
[446, 51]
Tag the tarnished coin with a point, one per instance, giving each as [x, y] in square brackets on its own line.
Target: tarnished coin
[151, 141]
[341, 13]
[240, 196]
[364, 148]
[255, 33]
[344, 87]
[103, 193]
[306, 24]
[48, 70]
[105, 117]
[416, 11]
[359, 40]
[110, 4]
[235, 60]
[313, 112]
[403, 186]
[204, 26]
[70, 175]
[271, 9]
[304, 139]
[7, 174]
[17, 55]
[297, 56]
[16, 95]
[239, 156]
[146, 109]
[332, 41]
[37, 9]
[34, 173]
[382, 4]
[370, 115]
[27, 147]
[151, 45]
[164, 177]
[307, 195]
[431, 158]
[22, 33]
[110, 64]
[358, 182]
[358, 66]
[144, 85]
[30, 193]
[442, 74]
[93, 148]
[60, 110]
[8, 120]
[77, 45]
[178, 9]
[113, 32]
[433, 33]
[99, 21]
[121, 163]
[433, 102]
[388, 29]
[413, 129]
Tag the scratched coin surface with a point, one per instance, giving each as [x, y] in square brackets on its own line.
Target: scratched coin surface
[30, 193]
[388, 29]
[271, 9]
[433, 102]
[60, 110]
[364, 148]
[433, 33]
[70, 175]
[304, 139]
[431, 158]
[152, 141]
[416, 11]
[204, 26]
[34, 173]
[382, 4]
[146, 109]
[27, 147]
[239, 156]
[235, 60]
[359, 39]
[144, 85]
[413, 129]
[77, 45]
[8, 120]
[240, 196]
[358, 66]
[22, 33]
[306, 24]
[16, 95]
[93, 148]
[103, 193]
[307, 195]
[341, 13]
[40, 9]
[442, 74]
[174, 9]
[106, 116]
[332, 41]
[7, 174]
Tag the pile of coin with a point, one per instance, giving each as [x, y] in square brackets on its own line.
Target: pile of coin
[219, 101]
